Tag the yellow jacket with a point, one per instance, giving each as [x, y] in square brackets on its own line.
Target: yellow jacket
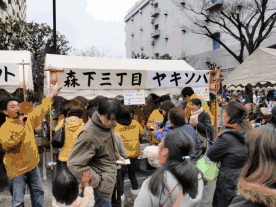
[18, 142]
[130, 136]
[73, 126]
[204, 105]
[154, 117]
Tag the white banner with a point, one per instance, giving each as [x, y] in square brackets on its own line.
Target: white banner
[134, 97]
[131, 79]
[173, 79]
[9, 74]
[102, 79]
[202, 91]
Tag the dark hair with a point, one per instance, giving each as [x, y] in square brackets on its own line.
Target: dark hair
[237, 113]
[75, 111]
[179, 144]
[261, 154]
[197, 102]
[65, 187]
[125, 113]
[122, 101]
[164, 98]
[167, 105]
[66, 108]
[153, 98]
[177, 116]
[109, 106]
[83, 100]
[90, 112]
[212, 97]
[5, 103]
[94, 103]
[187, 91]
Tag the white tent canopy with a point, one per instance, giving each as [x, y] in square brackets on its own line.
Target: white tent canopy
[77, 62]
[258, 70]
[16, 57]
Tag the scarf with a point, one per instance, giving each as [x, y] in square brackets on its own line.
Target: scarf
[194, 115]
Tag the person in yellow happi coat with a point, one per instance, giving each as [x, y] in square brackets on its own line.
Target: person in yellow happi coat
[189, 94]
[130, 131]
[157, 115]
[21, 154]
[73, 125]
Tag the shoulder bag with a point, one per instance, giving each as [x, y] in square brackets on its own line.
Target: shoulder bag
[208, 168]
[59, 137]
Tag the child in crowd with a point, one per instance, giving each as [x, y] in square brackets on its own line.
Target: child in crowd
[66, 190]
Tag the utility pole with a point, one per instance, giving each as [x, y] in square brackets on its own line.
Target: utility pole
[54, 27]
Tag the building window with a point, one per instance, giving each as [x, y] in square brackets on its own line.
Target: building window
[156, 5]
[214, 1]
[156, 27]
[216, 43]
[156, 55]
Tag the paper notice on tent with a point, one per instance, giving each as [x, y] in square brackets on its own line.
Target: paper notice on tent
[102, 79]
[9, 74]
[134, 97]
[202, 91]
[173, 79]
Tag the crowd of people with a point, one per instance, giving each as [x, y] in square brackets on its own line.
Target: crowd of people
[102, 131]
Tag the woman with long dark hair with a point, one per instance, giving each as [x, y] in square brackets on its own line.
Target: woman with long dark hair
[257, 184]
[177, 177]
[158, 134]
[229, 149]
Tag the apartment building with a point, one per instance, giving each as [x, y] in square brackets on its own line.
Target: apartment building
[15, 9]
[158, 27]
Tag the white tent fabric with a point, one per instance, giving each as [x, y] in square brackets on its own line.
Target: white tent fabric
[10, 56]
[258, 70]
[65, 61]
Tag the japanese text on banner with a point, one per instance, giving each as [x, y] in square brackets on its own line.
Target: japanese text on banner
[9, 74]
[173, 79]
[102, 79]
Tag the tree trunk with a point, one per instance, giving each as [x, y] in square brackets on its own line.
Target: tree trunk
[248, 94]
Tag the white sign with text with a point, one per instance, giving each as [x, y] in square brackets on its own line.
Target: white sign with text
[134, 97]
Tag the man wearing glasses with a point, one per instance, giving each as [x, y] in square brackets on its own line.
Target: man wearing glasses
[95, 151]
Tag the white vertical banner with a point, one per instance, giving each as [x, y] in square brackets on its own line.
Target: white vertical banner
[134, 97]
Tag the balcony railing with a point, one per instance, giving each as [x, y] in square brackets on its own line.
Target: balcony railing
[155, 33]
[211, 5]
[155, 12]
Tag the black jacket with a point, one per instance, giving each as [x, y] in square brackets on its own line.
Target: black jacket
[230, 150]
[254, 195]
[204, 124]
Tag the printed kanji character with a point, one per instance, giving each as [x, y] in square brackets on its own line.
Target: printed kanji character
[89, 77]
[136, 79]
[105, 84]
[175, 78]
[71, 79]
[158, 76]
[122, 75]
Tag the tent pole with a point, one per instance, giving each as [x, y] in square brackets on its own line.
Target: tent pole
[52, 167]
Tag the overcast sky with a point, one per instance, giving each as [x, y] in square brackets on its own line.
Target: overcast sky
[86, 22]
